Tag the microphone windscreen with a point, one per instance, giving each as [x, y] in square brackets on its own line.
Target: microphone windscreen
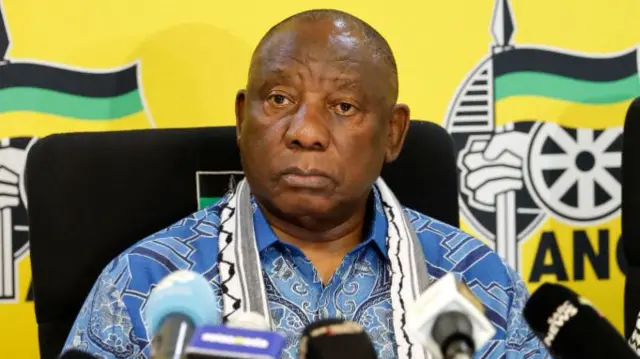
[76, 354]
[185, 293]
[335, 339]
[571, 327]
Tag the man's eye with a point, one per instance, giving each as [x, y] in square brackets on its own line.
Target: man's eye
[279, 100]
[345, 109]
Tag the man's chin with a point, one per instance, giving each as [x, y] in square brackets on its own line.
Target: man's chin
[306, 205]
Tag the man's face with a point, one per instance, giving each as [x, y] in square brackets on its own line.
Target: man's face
[317, 120]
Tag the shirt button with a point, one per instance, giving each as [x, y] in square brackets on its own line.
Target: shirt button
[323, 313]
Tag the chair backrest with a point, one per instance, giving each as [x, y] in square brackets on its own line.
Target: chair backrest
[92, 195]
[631, 214]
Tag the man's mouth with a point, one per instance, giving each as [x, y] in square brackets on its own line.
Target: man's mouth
[306, 178]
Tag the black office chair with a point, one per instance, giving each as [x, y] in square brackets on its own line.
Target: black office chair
[631, 215]
[92, 195]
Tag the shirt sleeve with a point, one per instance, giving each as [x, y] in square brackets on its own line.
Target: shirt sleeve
[104, 326]
[521, 342]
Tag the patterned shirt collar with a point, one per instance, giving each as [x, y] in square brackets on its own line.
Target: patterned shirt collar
[376, 233]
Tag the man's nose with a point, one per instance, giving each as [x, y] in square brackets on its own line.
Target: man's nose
[308, 129]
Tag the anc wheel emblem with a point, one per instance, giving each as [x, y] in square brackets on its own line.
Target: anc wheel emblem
[574, 173]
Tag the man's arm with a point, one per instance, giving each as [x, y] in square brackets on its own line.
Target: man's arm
[104, 326]
[521, 342]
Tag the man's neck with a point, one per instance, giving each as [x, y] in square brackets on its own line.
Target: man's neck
[325, 248]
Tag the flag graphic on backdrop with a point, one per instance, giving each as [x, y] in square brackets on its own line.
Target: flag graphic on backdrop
[37, 96]
[538, 132]
[60, 90]
[213, 185]
[535, 83]
[68, 93]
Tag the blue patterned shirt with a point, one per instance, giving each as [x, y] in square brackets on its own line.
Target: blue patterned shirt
[111, 325]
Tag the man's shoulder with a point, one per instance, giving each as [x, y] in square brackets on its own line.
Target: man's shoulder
[202, 224]
[190, 243]
[449, 249]
[125, 283]
[182, 235]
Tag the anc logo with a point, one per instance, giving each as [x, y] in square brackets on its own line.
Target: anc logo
[38, 98]
[539, 133]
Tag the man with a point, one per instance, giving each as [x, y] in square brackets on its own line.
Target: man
[315, 125]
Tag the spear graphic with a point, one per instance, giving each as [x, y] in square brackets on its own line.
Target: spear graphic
[6, 224]
[502, 29]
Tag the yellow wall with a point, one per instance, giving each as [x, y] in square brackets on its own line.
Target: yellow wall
[194, 56]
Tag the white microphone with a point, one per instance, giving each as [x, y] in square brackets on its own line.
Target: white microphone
[449, 321]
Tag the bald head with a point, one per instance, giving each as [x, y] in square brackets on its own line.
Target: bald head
[344, 30]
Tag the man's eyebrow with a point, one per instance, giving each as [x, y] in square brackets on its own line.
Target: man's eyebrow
[348, 83]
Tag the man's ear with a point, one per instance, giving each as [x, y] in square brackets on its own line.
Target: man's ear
[240, 100]
[398, 127]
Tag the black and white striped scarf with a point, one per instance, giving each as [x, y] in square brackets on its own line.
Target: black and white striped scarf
[241, 281]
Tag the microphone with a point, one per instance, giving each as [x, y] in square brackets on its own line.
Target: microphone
[335, 339]
[571, 327]
[182, 301]
[76, 354]
[237, 342]
[449, 320]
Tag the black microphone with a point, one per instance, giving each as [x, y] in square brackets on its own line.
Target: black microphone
[76, 354]
[571, 327]
[335, 339]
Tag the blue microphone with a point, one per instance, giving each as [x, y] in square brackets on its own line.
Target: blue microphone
[236, 341]
[181, 302]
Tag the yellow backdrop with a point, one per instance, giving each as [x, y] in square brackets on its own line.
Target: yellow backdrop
[193, 56]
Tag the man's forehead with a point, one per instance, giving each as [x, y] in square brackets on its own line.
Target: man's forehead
[318, 32]
[344, 49]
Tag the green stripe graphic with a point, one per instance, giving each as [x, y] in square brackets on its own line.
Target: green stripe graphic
[565, 88]
[67, 105]
[207, 201]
